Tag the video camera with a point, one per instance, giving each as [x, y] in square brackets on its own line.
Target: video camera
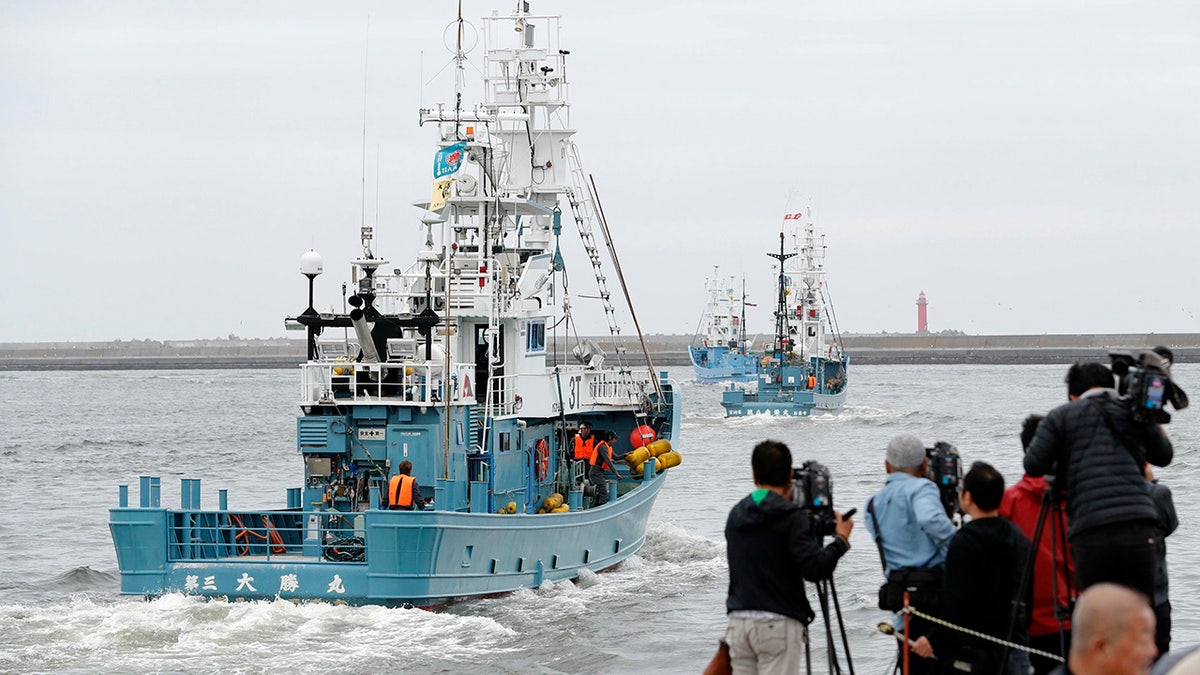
[945, 470]
[1144, 379]
[812, 491]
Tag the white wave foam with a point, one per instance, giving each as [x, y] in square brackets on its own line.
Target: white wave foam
[169, 632]
[669, 542]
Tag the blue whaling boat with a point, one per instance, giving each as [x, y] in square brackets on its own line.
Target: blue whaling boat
[461, 364]
[719, 351]
[807, 367]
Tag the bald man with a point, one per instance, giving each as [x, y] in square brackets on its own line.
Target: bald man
[1113, 632]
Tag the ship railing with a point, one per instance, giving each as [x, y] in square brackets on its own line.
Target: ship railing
[266, 535]
[503, 399]
[405, 383]
[610, 386]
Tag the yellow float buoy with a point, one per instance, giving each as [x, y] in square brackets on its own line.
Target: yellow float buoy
[561, 509]
[641, 467]
[510, 507]
[553, 502]
[638, 456]
[659, 447]
[668, 460]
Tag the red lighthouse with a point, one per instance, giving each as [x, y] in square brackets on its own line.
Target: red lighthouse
[922, 318]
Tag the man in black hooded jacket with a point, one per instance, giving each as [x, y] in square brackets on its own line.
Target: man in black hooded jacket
[1094, 443]
[772, 550]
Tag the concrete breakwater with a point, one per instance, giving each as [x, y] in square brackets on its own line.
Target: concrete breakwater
[665, 350]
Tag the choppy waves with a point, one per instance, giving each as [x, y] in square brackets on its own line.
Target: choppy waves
[183, 633]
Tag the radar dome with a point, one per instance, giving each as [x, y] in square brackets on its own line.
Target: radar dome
[311, 263]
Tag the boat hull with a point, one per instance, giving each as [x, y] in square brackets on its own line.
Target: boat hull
[800, 404]
[792, 390]
[421, 558]
[720, 364]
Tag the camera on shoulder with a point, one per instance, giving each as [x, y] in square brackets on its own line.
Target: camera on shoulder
[1144, 381]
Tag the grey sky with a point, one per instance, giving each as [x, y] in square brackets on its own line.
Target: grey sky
[1032, 166]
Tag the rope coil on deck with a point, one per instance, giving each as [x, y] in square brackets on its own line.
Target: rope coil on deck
[244, 533]
[983, 636]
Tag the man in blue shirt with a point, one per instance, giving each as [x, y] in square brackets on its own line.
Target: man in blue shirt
[909, 523]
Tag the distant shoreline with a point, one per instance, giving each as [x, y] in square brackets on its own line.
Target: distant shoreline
[665, 351]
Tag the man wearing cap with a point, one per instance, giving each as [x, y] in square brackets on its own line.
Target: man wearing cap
[909, 523]
[1094, 442]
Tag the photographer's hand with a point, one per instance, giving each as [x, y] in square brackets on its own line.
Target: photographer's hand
[844, 526]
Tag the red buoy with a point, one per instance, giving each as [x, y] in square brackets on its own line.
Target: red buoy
[642, 435]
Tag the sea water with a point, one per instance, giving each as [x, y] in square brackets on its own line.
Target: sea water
[70, 438]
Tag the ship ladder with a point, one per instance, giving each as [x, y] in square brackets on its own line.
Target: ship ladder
[476, 424]
[585, 205]
[585, 214]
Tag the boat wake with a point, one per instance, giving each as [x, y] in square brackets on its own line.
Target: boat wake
[667, 542]
[189, 633]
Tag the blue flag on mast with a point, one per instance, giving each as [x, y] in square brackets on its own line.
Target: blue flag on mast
[448, 160]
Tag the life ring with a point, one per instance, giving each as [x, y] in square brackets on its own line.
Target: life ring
[542, 458]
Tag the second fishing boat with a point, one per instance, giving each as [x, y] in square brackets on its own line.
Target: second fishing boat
[807, 367]
[720, 351]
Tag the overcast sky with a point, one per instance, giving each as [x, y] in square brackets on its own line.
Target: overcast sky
[1033, 166]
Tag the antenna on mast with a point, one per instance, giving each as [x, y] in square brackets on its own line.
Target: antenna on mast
[459, 77]
[365, 231]
[376, 187]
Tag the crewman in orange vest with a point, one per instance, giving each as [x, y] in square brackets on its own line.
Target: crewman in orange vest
[601, 456]
[403, 492]
[584, 443]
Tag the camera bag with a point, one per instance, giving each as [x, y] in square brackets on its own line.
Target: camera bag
[923, 584]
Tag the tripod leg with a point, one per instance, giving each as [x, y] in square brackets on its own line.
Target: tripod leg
[841, 626]
[1058, 542]
[1020, 606]
[823, 601]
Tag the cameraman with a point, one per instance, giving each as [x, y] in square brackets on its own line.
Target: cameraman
[1094, 442]
[910, 526]
[771, 550]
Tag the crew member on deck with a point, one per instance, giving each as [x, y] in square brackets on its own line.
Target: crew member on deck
[584, 443]
[600, 459]
[403, 492]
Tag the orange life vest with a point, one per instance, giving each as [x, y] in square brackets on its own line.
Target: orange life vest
[584, 447]
[400, 491]
[601, 450]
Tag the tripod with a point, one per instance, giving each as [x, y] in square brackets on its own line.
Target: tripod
[1053, 501]
[827, 591]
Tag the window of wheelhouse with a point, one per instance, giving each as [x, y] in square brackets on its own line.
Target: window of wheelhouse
[535, 337]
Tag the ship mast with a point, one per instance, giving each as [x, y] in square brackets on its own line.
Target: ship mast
[781, 308]
[742, 325]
